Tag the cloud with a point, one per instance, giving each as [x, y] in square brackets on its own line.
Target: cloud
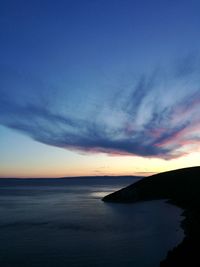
[158, 117]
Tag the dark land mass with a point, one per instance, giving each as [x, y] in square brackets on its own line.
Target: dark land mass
[182, 188]
[71, 177]
[5, 182]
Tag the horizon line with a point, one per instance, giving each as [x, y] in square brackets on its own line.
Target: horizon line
[73, 177]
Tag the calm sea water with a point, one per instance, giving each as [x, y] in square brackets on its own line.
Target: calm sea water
[59, 223]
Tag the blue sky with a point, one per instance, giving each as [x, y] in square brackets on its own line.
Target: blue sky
[83, 81]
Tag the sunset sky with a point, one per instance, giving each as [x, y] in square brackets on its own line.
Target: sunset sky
[98, 87]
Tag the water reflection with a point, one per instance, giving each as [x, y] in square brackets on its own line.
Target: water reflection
[100, 194]
[66, 224]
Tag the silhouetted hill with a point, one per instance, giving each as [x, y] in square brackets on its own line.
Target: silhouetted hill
[180, 187]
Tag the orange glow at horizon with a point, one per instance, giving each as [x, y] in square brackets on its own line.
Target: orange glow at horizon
[101, 164]
[36, 160]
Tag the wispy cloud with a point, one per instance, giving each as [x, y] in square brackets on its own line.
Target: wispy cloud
[158, 117]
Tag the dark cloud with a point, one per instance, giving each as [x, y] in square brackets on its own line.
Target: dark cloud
[152, 120]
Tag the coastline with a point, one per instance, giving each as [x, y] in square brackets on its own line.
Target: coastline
[185, 253]
[182, 189]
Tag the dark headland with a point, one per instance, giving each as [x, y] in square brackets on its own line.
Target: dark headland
[181, 188]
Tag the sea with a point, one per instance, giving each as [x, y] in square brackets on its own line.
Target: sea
[65, 223]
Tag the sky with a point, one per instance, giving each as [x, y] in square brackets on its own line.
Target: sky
[98, 87]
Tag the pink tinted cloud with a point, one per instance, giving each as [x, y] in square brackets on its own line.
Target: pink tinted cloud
[182, 137]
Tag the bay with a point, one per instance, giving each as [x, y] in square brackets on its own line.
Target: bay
[63, 222]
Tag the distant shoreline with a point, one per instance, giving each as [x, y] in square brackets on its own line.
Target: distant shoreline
[73, 177]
